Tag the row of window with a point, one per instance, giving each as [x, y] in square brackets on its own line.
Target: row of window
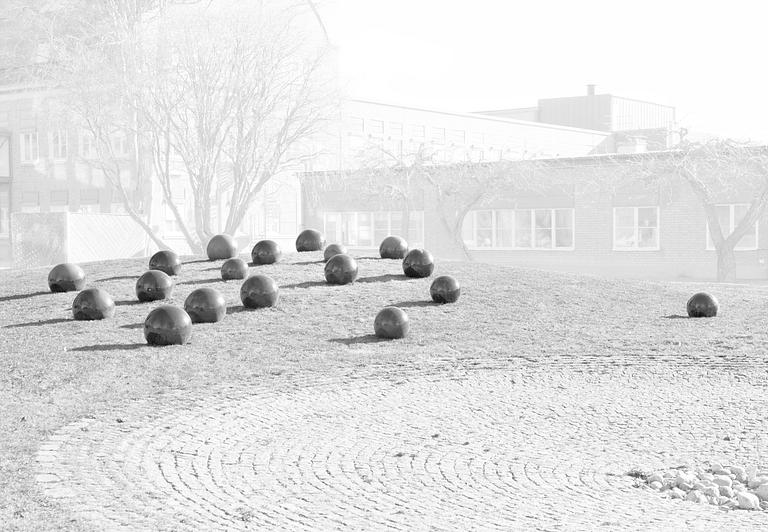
[417, 132]
[59, 146]
[634, 228]
[368, 229]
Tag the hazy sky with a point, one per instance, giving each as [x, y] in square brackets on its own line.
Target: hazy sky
[708, 59]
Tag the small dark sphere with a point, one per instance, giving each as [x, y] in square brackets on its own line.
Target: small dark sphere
[418, 263]
[393, 247]
[340, 269]
[259, 291]
[167, 325]
[221, 247]
[334, 249]
[66, 277]
[205, 305]
[391, 322]
[266, 252]
[702, 305]
[166, 261]
[310, 240]
[234, 269]
[445, 289]
[154, 285]
[93, 304]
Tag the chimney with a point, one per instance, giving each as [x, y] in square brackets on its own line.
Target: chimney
[590, 90]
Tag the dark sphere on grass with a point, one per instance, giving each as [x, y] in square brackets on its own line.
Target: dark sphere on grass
[391, 322]
[259, 291]
[702, 305]
[393, 247]
[205, 305]
[340, 269]
[445, 289]
[154, 285]
[66, 277]
[166, 261]
[221, 247]
[93, 304]
[234, 269]
[334, 249]
[167, 325]
[418, 263]
[266, 252]
[310, 240]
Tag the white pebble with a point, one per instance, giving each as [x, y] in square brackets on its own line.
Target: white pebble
[739, 473]
[757, 481]
[762, 492]
[677, 493]
[711, 491]
[656, 485]
[748, 501]
[707, 476]
[656, 477]
[726, 491]
[723, 480]
[723, 500]
[696, 496]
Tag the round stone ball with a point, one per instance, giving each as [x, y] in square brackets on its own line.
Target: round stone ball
[205, 305]
[234, 269]
[445, 289]
[391, 322]
[259, 291]
[702, 305]
[166, 261]
[154, 285]
[334, 249]
[310, 240]
[66, 277]
[93, 304]
[341, 269]
[266, 252]
[418, 263]
[167, 325]
[221, 247]
[393, 247]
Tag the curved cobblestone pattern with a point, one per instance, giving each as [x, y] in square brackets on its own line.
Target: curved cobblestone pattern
[487, 449]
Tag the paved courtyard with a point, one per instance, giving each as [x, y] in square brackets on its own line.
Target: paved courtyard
[490, 445]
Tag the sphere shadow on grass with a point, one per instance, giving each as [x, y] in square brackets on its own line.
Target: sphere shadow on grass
[364, 339]
[108, 347]
[16, 297]
[52, 321]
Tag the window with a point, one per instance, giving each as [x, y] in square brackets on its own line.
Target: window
[520, 229]
[376, 128]
[87, 146]
[30, 202]
[396, 129]
[438, 135]
[4, 211]
[457, 137]
[59, 201]
[418, 132]
[368, 229]
[59, 144]
[89, 196]
[28, 144]
[120, 145]
[5, 157]
[730, 216]
[635, 228]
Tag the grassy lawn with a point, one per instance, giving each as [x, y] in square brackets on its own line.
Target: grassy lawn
[56, 370]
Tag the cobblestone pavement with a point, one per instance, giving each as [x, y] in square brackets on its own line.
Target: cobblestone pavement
[493, 448]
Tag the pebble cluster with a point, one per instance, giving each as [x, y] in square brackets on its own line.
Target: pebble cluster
[730, 487]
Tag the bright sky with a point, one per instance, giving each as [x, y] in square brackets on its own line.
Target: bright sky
[708, 59]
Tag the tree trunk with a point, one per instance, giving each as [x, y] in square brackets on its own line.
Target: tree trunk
[726, 264]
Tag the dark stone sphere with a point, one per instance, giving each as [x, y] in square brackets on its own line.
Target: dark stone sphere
[393, 247]
[205, 305]
[266, 252]
[166, 261]
[66, 277]
[334, 249]
[234, 269]
[702, 305]
[259, 291]
[154, 285]
[310, 240]
[445, 289]
[93, 304]
[167, 325]
[340, 269]
[418, 263]
[221, 247]
[391, 322]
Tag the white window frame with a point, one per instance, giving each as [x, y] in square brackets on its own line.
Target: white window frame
[709, 244]
[657, 247]
[59, 140]
[472, 218]
[24, 146]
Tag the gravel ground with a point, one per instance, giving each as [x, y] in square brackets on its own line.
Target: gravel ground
[524, 405]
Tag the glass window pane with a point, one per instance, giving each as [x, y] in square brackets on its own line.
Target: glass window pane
[348, 229]
[523, 229]
[5, 157]
[543, 220]
[417, 228]
[4, 210]
[484, 228]
[396, 224]
[332, 228]
[364, 229]
[380, 226]
[648, 236]
[505, 223]
[624, 217]
[543, 238]
[647, 217]
[563, 218]
[624, 237]
[564, 237]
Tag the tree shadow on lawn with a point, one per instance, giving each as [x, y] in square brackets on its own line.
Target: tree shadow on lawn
[303, 263]
[383, 278]
[107, 347]
[129, 303]
[23, 296]
[118, 278]
[365, 339]
[37, 323]
[203, 281]
[307, 284]
[420, 303]
[198, 261]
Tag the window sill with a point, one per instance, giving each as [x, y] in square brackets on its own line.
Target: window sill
[642, 250]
